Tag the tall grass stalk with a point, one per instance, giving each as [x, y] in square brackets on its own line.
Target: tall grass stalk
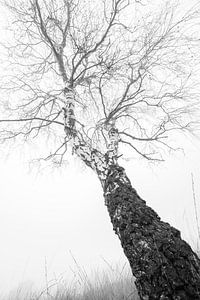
[114, 283]
[196, 214]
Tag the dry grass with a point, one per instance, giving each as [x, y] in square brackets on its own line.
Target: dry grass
[116, 283]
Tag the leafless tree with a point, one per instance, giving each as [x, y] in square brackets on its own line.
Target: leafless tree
[96, 76]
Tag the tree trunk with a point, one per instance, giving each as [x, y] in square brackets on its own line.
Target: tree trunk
[164, 265]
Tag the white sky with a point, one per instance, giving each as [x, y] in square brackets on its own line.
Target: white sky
[46, 215]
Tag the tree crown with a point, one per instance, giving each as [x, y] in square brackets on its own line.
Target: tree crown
[128, 67]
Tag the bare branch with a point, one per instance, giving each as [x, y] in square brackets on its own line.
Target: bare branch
[138, 74]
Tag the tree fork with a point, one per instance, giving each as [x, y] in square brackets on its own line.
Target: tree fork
[164, 265]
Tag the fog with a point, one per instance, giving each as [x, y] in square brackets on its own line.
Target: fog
[49, 217]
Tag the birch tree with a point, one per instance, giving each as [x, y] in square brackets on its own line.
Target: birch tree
[102, 79]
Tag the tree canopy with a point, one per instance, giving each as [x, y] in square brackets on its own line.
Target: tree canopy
[130, 65]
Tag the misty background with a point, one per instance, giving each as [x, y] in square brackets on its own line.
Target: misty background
[49, 215]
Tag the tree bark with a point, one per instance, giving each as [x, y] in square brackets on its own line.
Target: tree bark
[164, 265]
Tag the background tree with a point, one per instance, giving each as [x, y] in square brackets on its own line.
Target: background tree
[94, 77]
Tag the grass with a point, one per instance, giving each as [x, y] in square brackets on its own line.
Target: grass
[115, 283]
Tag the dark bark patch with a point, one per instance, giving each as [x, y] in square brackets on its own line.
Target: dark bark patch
[164, 265]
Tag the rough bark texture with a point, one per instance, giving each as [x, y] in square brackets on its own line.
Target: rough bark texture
[164, 265]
